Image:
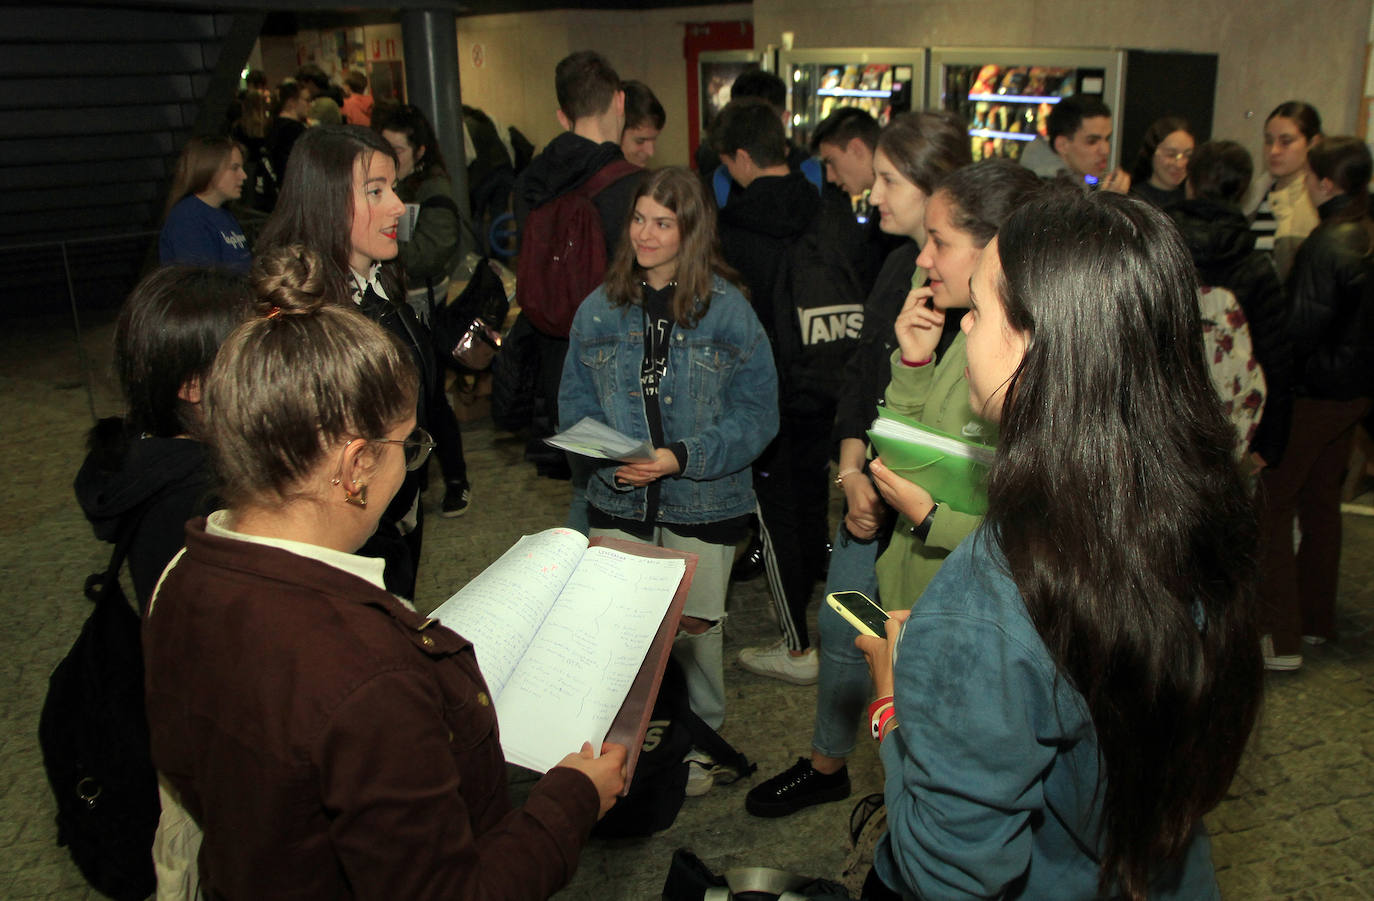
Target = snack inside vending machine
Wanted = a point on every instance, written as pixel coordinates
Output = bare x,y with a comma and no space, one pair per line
883,81
1005,95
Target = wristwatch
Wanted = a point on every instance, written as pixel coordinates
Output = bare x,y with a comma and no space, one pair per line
922,529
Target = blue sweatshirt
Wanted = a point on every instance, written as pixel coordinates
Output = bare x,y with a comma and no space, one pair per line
991,774
203,235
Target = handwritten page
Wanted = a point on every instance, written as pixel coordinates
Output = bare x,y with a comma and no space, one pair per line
500,609
580,665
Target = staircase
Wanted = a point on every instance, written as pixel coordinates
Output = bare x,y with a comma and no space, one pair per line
98,101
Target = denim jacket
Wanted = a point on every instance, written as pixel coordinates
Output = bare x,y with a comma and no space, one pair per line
719,398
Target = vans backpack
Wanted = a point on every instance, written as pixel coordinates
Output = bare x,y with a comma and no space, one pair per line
659,784
563,253
818,307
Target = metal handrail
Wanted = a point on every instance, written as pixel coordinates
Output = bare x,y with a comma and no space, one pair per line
94,239
83,361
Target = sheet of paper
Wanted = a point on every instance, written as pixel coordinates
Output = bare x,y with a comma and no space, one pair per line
580,665
501,609
590,438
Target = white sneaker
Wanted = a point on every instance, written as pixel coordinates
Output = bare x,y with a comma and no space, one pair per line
776,662
699,777
1279,663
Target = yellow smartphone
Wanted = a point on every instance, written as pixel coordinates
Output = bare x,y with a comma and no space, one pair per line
859,612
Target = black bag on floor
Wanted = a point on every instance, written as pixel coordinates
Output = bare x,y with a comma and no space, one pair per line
513,375
659,784
94,737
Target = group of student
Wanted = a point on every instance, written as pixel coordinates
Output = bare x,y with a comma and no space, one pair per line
1067,682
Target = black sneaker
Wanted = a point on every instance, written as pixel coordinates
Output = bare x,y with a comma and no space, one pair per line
798,787
457,499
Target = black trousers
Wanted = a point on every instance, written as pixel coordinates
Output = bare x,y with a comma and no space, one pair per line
792,484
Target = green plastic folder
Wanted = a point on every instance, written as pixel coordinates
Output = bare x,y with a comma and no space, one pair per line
954,470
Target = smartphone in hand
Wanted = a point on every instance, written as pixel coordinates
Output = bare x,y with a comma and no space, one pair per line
859,611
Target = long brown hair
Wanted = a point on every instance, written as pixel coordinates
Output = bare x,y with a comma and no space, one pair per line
1133,545
698,259
925,147
315,208
201,160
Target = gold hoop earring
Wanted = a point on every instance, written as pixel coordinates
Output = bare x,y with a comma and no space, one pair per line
357,497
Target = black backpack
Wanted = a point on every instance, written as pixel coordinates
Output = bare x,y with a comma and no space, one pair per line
659,784
818,311
94,737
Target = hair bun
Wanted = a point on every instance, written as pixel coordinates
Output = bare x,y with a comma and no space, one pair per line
290,280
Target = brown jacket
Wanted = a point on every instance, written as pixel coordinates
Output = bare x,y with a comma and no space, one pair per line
332,743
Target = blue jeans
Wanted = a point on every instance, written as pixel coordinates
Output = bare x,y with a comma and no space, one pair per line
844,687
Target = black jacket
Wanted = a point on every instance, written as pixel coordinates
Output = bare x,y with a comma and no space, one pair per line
568,161
1223,249
758,227
870,368
171,475
1331,289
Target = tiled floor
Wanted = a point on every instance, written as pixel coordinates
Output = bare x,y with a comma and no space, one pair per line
1299,822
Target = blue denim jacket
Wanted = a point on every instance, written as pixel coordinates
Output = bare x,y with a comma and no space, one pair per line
719,398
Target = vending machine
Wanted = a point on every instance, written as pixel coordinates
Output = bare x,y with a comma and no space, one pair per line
1005,94
884,81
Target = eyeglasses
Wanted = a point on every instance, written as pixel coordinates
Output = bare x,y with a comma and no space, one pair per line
416,445
1175,155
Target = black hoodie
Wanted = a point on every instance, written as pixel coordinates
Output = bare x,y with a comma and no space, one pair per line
757,228
1223,248
118,476
568,161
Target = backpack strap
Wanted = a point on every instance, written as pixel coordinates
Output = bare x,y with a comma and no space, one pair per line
96,583
609,174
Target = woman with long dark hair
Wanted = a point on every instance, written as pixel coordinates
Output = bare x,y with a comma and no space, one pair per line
1331,324
670,352
196,227
1161,166
339,200
1286,215
326,739
1075,688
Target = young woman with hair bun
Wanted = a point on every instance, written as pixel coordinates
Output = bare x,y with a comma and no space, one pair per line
1074,690
196,227
325,739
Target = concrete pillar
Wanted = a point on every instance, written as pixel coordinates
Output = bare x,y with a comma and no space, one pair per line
430,40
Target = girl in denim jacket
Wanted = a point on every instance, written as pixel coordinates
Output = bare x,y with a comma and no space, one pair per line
669,351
